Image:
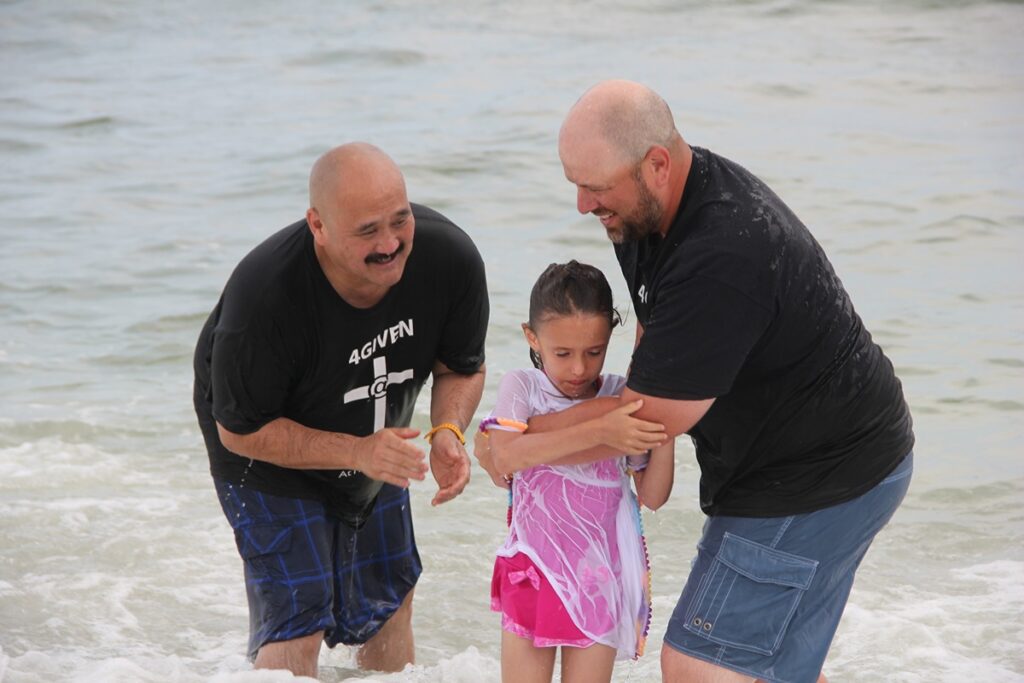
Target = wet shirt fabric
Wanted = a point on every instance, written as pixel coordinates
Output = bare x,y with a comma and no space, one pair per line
282,343
579,524
739,303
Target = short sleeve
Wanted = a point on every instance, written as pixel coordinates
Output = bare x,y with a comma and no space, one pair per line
612,385
251,374
697,338
465,330
514,399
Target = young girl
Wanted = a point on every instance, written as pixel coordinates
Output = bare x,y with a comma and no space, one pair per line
573,571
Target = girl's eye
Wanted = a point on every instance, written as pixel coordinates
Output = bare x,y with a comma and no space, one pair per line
596,352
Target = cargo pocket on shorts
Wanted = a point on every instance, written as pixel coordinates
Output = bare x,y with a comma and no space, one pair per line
259,543
749,595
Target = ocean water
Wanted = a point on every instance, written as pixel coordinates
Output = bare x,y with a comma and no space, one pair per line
147,146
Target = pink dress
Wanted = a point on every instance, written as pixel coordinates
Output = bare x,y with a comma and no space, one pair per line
580,525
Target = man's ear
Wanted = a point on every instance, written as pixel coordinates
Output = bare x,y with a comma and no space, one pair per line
316,225
658,163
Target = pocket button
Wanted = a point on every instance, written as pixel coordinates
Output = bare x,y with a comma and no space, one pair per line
697,621
707,625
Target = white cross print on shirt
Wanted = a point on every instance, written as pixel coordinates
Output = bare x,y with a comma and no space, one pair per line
378,389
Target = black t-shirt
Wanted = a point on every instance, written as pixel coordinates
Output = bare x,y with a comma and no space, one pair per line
739,303
282,343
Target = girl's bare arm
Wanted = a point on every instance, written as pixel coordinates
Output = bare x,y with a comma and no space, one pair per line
654,484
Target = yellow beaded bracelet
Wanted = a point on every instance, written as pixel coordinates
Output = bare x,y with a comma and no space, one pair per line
429,436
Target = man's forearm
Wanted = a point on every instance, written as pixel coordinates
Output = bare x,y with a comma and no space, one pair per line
454,397
287,443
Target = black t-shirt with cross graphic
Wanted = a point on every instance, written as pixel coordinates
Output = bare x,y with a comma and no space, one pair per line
282,343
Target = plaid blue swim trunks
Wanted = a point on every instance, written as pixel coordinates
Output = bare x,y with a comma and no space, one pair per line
765,595
306,571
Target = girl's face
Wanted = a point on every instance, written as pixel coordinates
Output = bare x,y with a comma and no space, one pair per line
572,349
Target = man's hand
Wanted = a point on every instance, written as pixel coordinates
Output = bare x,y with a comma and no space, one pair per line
388,455
482,452
450,465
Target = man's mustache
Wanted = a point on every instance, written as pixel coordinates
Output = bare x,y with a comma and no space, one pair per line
383,258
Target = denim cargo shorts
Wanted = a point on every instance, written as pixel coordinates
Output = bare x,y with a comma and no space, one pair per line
765,595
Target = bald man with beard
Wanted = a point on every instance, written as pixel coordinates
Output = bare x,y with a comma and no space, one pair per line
747,342
306,377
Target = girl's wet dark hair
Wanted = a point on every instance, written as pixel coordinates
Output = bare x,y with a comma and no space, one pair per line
571,288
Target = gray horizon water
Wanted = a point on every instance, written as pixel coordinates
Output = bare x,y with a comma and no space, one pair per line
147,147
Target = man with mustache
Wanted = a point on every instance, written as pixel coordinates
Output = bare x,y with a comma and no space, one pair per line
748,342
306,378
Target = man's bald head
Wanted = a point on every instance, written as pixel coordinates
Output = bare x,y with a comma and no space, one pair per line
349,170
619,146
629,118
361,221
